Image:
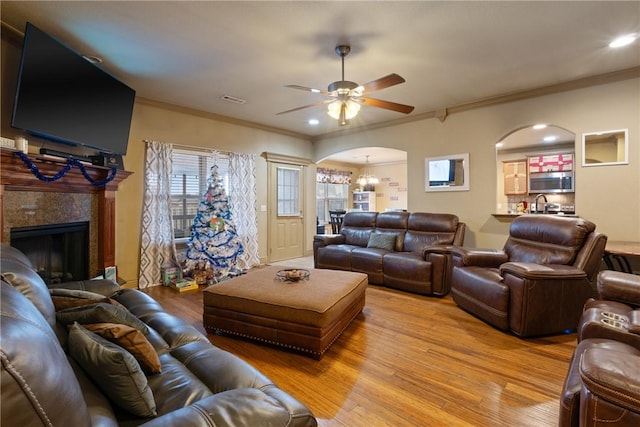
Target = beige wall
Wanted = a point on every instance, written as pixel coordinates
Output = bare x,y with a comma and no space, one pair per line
391,192
609,195
174,126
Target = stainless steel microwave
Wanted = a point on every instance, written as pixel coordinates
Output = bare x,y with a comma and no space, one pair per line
552,182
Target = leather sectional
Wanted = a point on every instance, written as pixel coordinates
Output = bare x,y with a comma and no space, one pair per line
66,375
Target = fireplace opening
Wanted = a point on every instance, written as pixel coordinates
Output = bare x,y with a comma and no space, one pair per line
58,252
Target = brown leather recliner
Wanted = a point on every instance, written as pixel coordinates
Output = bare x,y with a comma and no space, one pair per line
539,282
602,386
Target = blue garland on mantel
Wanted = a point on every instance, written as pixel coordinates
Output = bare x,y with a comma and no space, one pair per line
71,162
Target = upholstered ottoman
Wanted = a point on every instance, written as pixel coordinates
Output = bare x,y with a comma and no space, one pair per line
307,316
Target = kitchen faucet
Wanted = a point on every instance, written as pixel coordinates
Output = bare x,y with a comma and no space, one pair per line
545,208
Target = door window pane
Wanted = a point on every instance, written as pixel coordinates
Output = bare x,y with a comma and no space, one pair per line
288,197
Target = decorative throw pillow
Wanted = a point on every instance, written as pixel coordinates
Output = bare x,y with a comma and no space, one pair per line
386,241
75,293
67,298
114,370
131,340
100,313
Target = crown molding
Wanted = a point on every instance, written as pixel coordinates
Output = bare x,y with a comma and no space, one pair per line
218,117
443,113
284,158
11,33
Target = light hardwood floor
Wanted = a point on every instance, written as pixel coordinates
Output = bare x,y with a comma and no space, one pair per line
410,360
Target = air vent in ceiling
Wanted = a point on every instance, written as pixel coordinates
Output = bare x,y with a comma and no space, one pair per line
233,99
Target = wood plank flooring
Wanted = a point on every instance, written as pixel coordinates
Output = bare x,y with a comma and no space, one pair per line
409,360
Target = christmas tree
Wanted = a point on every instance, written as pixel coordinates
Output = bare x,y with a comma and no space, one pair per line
214,245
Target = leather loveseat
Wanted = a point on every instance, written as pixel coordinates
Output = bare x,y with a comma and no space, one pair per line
401,250
55,375
602,386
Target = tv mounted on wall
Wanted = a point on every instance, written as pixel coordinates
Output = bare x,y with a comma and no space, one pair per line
442,172
63,97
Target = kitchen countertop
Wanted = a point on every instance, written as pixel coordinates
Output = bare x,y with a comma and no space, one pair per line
510,216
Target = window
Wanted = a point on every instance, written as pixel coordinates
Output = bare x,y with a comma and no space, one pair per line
330,197
191,170
288,193
332,192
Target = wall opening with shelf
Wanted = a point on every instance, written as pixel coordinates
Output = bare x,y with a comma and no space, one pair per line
531,152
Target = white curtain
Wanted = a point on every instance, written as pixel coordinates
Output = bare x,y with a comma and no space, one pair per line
243,201
157,246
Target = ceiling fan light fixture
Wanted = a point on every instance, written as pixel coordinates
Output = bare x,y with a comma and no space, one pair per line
343,110
346,97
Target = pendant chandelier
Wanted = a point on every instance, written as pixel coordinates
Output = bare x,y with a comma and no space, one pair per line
367,180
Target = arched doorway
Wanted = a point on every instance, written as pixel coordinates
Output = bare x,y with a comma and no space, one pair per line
388,165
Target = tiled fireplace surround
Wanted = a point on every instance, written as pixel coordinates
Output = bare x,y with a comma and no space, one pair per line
28,209
26,201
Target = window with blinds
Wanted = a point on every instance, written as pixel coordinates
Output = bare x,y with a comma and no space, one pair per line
189,176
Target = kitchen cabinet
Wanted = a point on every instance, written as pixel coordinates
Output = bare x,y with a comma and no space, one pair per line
364,200
515,177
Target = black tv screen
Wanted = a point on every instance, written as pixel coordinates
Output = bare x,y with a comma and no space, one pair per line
63,97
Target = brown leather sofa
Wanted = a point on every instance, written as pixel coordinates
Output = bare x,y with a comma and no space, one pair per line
539,282
602,386
45,380
401,250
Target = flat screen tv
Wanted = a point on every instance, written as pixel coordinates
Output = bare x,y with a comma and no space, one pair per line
63,97
442,172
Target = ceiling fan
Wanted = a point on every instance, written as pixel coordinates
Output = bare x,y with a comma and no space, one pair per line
345,97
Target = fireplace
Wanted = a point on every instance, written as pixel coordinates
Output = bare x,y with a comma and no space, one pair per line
58,252
28,201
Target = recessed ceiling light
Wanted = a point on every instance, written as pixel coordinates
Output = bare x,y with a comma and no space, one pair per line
233,99
550,138
93,59
540,126
313,122
623,41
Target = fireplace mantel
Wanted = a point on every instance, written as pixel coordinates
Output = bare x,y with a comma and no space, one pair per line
16,176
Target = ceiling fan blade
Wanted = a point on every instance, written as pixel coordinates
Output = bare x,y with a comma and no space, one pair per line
315,104
308,89
388,105
383,83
